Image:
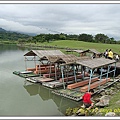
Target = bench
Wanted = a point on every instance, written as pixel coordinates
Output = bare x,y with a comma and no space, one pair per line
94,85
81,83
70,78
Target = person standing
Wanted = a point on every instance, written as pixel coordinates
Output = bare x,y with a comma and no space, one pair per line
110,54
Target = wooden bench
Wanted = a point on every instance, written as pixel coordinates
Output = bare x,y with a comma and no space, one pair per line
72,77
94,85
81,83
31,69
50,75
45,71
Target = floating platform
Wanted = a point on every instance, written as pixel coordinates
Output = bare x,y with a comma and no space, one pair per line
76,95
25,74
53,84
39,79
71,94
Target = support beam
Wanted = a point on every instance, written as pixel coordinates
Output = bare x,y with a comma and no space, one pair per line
75,74
62,77
91,74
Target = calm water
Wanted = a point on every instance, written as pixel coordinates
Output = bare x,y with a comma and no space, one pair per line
21,98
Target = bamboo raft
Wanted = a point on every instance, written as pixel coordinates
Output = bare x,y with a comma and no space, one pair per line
76,94
25,74
39,79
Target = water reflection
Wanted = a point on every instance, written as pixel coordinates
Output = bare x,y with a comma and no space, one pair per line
46,94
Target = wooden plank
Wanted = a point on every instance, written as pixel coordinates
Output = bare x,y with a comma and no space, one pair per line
73,77
81,83
44,79
50,75
94,85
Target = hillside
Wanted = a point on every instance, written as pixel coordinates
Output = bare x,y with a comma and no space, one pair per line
2,30
9,35
79,45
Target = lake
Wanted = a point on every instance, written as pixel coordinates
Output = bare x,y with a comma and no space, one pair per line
19,97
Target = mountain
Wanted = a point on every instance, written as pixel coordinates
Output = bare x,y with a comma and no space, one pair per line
2,30
10,35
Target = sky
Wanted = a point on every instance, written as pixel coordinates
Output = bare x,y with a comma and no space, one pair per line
62,18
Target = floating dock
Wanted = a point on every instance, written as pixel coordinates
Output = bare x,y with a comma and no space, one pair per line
58,76
39,79
25,74
76,95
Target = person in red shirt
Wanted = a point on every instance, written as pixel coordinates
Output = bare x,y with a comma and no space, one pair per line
87,99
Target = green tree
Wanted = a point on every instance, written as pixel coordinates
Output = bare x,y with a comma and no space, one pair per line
101,38
85,37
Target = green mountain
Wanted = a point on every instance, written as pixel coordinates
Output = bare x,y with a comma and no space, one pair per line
9,35
2,30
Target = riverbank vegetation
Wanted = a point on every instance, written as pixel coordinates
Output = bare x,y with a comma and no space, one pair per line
98,38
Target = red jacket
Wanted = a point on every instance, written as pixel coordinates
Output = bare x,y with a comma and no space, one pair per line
86,98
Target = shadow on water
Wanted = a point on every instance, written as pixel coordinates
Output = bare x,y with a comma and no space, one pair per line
46,94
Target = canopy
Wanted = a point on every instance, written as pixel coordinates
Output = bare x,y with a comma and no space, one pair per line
42,53
95,63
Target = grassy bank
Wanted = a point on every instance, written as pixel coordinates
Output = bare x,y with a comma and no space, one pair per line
8,42
79,45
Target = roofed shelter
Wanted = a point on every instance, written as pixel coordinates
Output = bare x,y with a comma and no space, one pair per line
93,64
42,55
84,52
53,56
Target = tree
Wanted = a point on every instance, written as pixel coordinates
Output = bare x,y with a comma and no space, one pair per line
85,37
101,38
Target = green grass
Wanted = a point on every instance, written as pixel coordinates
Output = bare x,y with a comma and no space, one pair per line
83,45
113,106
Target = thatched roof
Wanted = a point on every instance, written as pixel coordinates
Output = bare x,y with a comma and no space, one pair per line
84,51
84,58
42,53
95,63
67,59
78,51
53,56
94,51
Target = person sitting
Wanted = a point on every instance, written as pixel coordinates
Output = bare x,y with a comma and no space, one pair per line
117,58
93,56
87,99
106,53
110,54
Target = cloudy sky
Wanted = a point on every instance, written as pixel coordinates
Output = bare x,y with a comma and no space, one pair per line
62,18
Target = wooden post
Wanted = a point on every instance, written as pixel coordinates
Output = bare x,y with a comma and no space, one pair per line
40,69
108,71
114,71
75,74
50,70
55,72
62,77
91,73
25,64
100,76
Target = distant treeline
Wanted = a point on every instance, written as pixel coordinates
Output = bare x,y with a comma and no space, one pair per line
12,36
98,38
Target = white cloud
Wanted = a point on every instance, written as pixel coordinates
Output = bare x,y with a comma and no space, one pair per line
65,18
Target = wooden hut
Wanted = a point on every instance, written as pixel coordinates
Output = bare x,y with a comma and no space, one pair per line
98,63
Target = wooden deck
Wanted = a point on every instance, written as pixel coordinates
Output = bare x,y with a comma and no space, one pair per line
76,94
25,74
39,79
